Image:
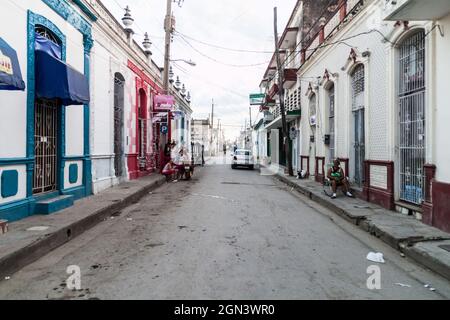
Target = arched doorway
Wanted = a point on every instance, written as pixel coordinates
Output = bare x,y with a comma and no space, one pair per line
46,128
313,126
142,130
119,94
411,100
358,110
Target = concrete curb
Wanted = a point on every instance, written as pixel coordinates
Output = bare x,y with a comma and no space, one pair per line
409,245
18,259
428,258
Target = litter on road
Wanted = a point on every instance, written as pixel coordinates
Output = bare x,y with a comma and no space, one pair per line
41,228
403,285
375,257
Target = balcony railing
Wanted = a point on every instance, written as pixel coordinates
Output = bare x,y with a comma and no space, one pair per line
273,90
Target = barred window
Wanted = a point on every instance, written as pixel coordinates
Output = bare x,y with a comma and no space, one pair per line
358,87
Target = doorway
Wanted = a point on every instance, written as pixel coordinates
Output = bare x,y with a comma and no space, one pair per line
358,110
412,89
45,146
46,128
119,90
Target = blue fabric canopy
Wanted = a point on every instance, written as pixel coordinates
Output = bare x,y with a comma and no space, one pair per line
43,44
10,74
57,80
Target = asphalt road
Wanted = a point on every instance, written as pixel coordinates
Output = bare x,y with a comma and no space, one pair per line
227,234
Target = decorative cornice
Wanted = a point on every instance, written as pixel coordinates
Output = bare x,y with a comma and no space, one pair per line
86,10
353,58
328,77
69,14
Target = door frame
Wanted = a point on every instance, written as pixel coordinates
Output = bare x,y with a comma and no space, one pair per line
356,58
33,21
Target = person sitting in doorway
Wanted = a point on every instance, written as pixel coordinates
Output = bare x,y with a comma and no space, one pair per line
170,171
180,159
337,178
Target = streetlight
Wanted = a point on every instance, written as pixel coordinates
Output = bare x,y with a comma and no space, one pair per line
189,62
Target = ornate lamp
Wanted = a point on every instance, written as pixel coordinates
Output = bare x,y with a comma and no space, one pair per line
147,44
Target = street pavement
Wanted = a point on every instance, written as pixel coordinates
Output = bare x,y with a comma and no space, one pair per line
226,234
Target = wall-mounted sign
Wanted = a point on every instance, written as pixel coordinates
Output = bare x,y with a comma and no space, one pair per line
164,102
5,64
164,129
257,99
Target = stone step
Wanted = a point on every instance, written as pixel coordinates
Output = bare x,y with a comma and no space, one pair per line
51,205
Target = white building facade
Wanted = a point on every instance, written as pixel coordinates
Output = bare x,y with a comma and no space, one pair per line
371,78
61,143
45,161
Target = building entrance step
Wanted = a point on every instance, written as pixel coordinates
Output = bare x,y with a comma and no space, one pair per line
51,205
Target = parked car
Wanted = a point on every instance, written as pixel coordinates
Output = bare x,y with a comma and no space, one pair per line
243,158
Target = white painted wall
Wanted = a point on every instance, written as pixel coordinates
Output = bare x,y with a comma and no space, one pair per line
74,131
442,107
79,182
22,186
13,22
13,104
334,59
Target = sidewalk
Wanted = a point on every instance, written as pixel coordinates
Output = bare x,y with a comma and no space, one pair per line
20,247
425,244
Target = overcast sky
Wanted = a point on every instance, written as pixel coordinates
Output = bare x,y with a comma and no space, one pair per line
235,24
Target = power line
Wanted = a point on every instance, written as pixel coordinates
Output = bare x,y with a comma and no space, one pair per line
220,62
231,91
221,47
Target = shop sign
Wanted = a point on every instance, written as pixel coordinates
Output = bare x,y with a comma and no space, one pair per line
5,64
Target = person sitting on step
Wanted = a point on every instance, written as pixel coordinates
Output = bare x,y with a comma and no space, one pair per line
170,172
337,178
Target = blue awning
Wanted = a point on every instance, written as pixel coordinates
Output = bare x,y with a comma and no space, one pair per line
43,44
10,74
57,80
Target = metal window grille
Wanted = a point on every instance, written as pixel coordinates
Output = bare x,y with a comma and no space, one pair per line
313,110
142,131
119,87
331,119
412,117
358,97
45,146
44,32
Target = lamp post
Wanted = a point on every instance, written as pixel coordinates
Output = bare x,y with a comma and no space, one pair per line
189,62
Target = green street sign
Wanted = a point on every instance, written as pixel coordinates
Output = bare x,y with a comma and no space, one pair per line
257,99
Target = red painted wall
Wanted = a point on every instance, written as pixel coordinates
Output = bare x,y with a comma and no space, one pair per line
441,205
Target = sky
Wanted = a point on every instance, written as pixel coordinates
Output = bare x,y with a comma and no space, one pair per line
227,76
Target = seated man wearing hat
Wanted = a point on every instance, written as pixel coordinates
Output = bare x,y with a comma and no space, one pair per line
337,178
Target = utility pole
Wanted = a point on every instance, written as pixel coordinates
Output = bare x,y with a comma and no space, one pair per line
168,28
280,68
